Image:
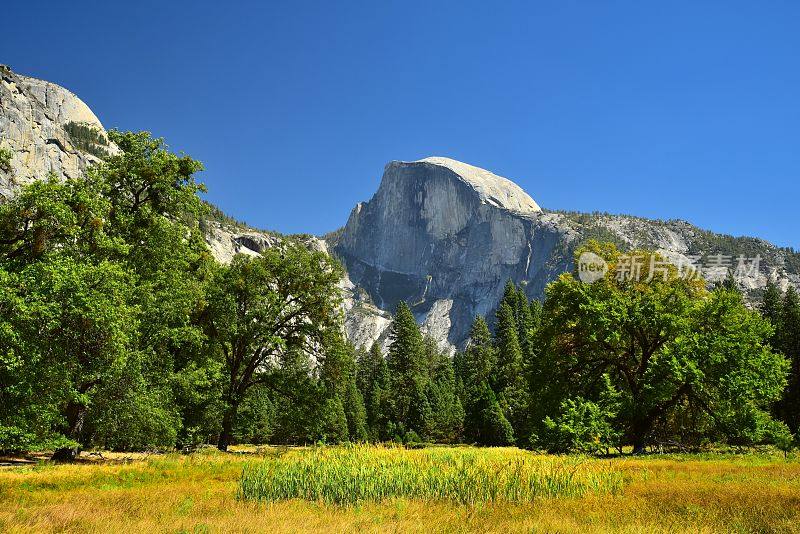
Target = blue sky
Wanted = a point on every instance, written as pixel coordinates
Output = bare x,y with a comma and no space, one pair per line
672,109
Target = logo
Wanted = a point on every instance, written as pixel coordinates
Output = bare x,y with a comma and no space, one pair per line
591,267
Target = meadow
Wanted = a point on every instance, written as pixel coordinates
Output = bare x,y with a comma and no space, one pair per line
377,489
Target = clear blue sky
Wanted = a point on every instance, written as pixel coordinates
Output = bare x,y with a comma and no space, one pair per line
661,109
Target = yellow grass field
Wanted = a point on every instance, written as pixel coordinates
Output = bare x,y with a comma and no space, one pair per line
452,490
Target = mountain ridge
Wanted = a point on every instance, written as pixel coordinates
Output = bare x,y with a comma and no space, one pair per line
440,234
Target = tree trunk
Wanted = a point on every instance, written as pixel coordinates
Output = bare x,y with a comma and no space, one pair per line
639,431
228,421
75,415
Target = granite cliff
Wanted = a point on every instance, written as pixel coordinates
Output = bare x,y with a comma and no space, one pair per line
47,129
445,237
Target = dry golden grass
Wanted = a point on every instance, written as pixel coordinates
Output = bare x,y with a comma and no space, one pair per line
197,493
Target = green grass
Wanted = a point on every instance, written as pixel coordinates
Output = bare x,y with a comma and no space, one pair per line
351,475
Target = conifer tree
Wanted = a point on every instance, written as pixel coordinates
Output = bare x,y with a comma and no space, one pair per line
510,294
524,319
338,376
355,412
771,306
485,423
508,381
476,364
536,313
373,383
532,363
407,373
509,353
447,413
788,341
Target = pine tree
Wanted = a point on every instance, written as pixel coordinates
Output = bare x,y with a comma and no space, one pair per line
485,423
532,356
355,413
477,363
508,381
788,341
331,421
338,377
771,306
536,313
373,383
524,319
447,413
510,294
541,392
509,353
420,413
407,373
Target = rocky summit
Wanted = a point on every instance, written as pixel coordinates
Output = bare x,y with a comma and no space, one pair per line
445,237
440,234
47,128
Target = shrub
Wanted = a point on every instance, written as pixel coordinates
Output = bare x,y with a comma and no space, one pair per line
583,425
5,159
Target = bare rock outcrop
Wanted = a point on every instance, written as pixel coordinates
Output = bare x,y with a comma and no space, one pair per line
445,237
35,117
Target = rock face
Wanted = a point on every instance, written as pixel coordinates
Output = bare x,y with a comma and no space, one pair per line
225,241
445,237
33,117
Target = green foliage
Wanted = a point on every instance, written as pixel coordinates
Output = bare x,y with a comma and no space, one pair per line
771,307
372,379
118,330
87,138
477,363
509,354
408,375
5,159
485,422
786,317
446,418
298,401
662,342
100,293
281,304
215,214
583,425
423,393
338,375
707,242
256,418
507,379
128,414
